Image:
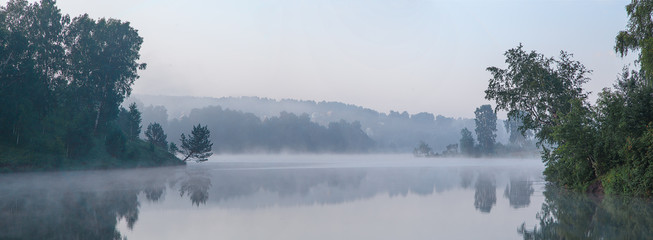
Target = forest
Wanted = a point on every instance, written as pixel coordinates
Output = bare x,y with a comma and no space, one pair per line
62,80
238,132
392,132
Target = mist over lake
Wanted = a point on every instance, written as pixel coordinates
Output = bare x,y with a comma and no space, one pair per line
326,119
310,196
281,197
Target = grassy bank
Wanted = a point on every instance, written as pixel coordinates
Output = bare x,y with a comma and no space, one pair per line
136,153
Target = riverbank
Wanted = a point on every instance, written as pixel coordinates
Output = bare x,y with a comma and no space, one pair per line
136,154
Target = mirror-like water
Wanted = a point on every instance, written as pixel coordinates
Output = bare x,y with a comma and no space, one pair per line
313,197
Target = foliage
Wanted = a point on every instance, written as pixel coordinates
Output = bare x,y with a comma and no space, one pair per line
156,136
572,163
134,127
423,150
638,36
386,132
466,142
173,148
517,134
537,89
486,126
238,132
62,81
116,143
197,145
606,143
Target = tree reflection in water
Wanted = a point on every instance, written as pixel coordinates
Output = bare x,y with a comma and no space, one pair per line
195,184
75,205
519,192
466,177
570,215
486,192
91,204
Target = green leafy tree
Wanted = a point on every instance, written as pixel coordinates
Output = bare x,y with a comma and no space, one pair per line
156,136
514,127
25,87
115,143
466,142
103,57
173,148
537,89
638,35
486,127
134,122
197,145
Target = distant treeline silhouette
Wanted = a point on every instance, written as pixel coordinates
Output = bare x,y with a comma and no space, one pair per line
237,132
392,132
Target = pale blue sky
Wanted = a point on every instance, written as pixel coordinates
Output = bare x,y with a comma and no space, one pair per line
386,55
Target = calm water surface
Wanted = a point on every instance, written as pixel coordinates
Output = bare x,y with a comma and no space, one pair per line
314,197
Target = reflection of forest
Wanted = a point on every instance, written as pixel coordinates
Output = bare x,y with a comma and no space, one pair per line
90,204
519,191
75,205
486,193
570,215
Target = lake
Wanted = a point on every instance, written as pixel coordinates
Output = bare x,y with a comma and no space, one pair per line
314,197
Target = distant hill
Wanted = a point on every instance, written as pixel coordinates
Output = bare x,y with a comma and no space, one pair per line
392,132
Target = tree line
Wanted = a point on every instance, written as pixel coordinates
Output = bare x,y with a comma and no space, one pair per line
485,145
394,131
62,81
239,132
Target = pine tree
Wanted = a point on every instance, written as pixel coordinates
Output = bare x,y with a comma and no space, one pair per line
197,145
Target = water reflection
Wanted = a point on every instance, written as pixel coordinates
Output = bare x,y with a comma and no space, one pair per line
194,183
519,191
485,195
570,215
89,205
70,205
466,177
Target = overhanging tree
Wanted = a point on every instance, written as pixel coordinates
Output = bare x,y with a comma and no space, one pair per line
537,89
197,146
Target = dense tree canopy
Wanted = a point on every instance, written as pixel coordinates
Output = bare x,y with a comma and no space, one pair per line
638,35
237,132
536,88
486,127
466,142
607,144
62,81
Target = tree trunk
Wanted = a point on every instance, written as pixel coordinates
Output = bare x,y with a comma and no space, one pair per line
186,158
97,119
99,110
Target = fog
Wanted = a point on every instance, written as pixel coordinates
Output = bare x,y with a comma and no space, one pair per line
92,204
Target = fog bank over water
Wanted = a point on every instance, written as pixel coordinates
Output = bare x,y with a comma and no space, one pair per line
310,197
250,196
